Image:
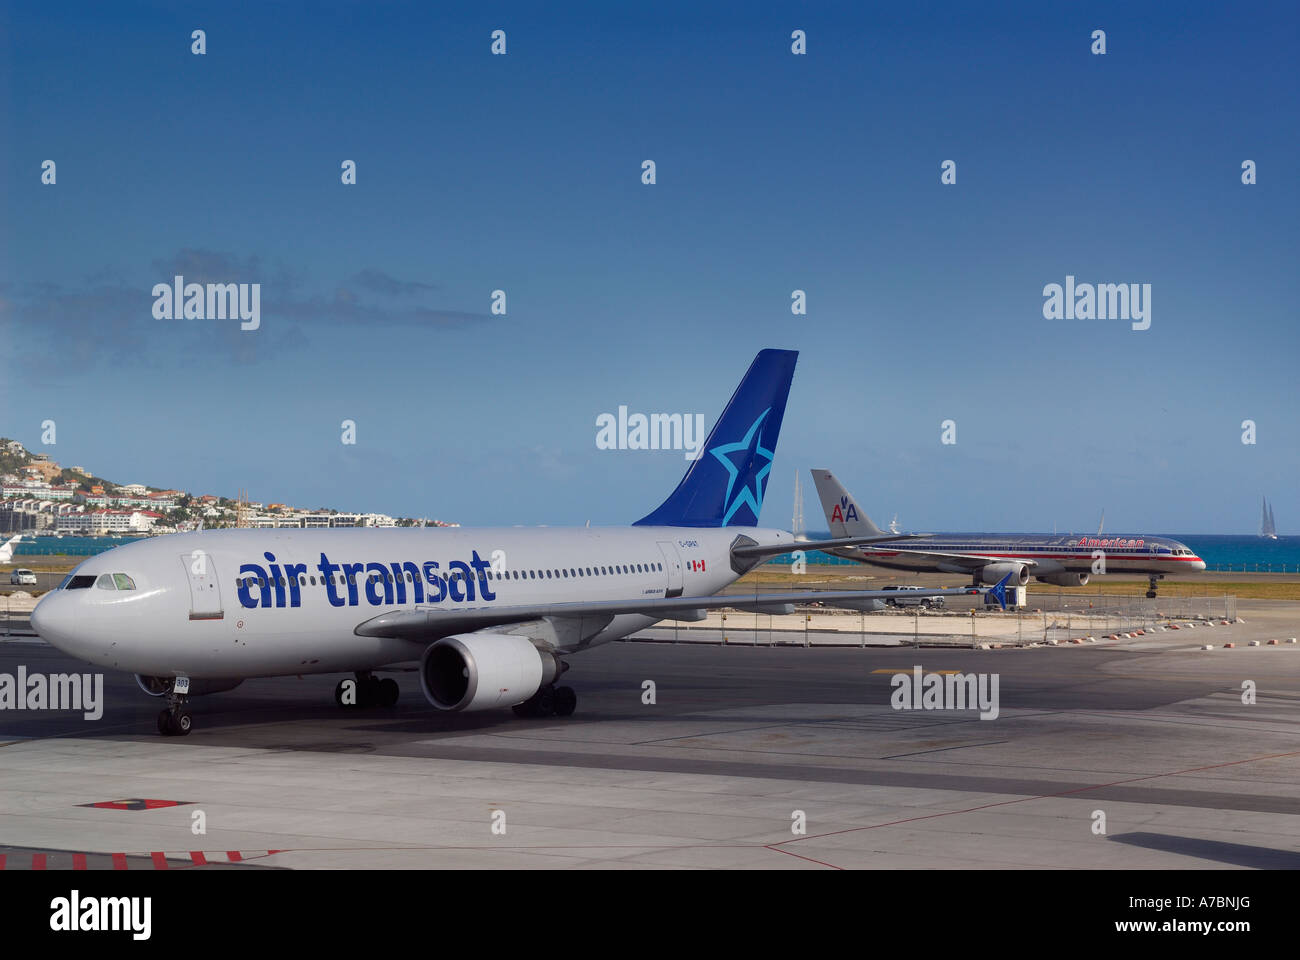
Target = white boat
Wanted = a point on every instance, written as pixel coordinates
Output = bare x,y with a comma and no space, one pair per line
1267,525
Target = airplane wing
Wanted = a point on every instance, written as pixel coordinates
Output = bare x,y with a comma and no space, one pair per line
751,550
433,623
971,560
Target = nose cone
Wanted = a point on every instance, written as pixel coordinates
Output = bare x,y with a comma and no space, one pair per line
52,619
1198,564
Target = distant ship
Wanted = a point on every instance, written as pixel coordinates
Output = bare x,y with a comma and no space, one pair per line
1267,525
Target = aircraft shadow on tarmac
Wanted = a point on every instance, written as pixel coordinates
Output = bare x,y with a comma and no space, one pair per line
1237,854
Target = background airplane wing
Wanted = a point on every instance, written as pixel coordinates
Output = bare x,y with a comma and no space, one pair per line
973,561
433,623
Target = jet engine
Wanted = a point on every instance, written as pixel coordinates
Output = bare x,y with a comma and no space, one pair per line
992,573
1065,579
484,671
161,686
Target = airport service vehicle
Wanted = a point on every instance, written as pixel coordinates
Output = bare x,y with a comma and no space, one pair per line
23,577
907,597
489,615
1066,561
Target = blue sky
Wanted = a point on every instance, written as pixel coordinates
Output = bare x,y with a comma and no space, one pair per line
775,172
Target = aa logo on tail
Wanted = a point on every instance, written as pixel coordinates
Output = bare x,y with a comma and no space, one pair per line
844,511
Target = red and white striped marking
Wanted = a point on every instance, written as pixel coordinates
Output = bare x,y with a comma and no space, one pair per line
159,858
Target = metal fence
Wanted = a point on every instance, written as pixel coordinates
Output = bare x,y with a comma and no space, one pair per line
1065,620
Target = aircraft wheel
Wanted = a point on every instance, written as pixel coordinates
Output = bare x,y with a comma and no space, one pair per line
388,692
1151,594
544,701
183,723
566,701
165,724
524,709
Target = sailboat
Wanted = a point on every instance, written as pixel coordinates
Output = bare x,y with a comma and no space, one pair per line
1267,525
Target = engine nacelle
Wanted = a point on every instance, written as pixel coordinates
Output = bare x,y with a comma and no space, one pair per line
161,686
484,671
1064,579
992,573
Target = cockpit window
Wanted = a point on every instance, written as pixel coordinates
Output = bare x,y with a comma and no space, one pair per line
105,582
80,582
123,581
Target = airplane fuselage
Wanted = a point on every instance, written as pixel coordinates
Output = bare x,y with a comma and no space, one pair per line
1049,553
246,603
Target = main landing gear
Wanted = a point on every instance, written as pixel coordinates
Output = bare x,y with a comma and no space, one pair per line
366,690
1151,585
548,701
176,720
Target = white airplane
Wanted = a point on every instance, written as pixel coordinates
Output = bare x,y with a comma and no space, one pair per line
7,550
488,614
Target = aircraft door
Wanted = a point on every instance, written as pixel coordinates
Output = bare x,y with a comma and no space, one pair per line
205,591
673,567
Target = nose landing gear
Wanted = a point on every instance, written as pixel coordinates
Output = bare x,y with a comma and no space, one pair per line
176,720
1151,585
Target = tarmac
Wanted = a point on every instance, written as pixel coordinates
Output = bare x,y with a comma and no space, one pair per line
1126,754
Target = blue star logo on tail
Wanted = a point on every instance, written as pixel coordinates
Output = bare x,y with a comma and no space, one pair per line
746,454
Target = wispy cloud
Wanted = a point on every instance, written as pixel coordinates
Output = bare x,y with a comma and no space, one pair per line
105,320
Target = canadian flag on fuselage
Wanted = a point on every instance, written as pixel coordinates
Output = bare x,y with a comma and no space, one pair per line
695,566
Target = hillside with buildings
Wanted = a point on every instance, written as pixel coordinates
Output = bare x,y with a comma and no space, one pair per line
37,495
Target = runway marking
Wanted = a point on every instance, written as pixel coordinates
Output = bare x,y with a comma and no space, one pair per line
1045,796
802,857
958,746
136,803
160,859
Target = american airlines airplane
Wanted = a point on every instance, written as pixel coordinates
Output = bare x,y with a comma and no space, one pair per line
1066,561
488,614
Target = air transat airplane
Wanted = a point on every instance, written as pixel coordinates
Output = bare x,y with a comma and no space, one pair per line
1067,561
488,614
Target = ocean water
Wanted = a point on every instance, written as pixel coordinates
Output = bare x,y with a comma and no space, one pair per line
1249,554
67,546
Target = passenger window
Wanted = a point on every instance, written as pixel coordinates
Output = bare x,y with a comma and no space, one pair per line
105,582
123,581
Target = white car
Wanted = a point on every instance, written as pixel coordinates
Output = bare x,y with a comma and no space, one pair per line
23,577
905,601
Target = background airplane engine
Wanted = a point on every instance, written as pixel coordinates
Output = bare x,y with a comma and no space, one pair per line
483,671
159,686
992,573
1065,579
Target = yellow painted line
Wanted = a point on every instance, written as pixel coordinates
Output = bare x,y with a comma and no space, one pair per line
905,670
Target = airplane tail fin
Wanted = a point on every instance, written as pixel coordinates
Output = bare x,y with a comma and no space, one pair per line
724,486
842,513
999,592
7,550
